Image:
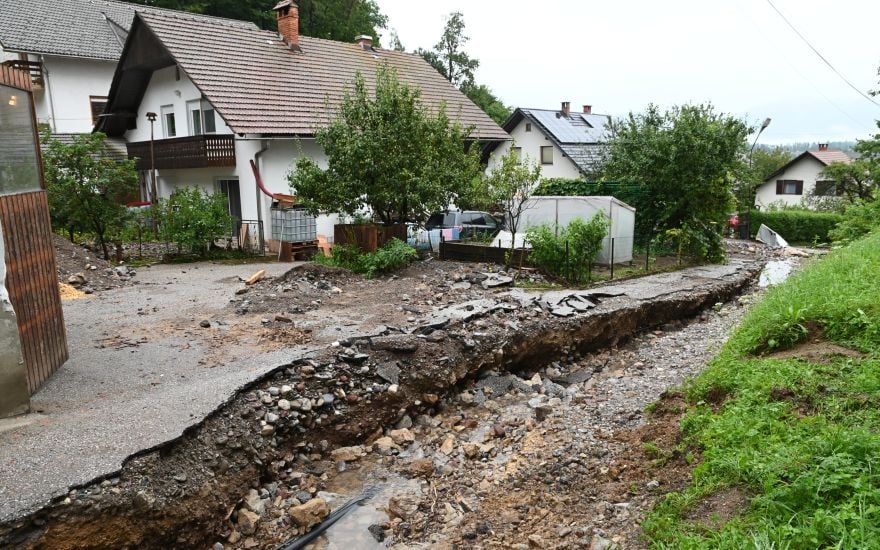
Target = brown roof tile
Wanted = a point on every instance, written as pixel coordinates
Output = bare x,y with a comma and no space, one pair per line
827,157
259,86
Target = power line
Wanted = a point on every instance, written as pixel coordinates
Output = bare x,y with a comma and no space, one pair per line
822,57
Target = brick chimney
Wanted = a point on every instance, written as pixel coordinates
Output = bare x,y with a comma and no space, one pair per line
288,22
364,41
566,107
588,109
823,146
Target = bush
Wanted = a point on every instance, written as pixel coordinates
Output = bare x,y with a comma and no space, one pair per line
859,220
701,242
395,255
193,220
570,253
802,226
564,187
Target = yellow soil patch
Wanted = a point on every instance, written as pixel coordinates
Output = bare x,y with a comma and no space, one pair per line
70,293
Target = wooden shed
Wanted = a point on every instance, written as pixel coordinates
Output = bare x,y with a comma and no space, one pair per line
31,278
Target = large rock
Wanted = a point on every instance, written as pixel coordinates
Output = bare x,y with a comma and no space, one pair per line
402,436
247,521
402,506
347,454
311,513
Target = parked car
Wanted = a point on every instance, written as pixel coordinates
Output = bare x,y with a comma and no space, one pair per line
469,222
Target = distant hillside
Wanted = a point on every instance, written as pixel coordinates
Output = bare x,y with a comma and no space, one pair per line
800,147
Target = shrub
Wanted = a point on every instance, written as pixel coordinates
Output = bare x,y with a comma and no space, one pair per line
859,220
696,240
193,220
395,255
803,226
570,252
564,187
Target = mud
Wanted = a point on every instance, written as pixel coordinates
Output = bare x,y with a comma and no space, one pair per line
184,493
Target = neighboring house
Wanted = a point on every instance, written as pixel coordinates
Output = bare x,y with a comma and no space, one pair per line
800,179
566,144
225,96
70,48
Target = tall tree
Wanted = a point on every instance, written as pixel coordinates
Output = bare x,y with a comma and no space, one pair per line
387,154
450,60
684,162
332,19
448,55
511,185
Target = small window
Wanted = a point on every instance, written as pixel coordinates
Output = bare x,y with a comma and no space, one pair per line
517,153
98,105
547,154
827,188
528,126
169,125
789,187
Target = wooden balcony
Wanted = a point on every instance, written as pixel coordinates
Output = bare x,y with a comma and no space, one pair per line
186,152
33,68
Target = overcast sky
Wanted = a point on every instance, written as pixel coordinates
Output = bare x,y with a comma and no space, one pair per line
620,55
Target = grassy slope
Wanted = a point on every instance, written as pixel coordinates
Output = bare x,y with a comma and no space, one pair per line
802,440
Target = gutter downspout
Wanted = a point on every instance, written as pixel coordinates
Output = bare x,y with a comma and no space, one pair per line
49,93
255,164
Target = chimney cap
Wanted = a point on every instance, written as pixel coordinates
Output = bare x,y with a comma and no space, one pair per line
282,4
363,37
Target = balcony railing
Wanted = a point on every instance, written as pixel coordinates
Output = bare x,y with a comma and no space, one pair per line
187,152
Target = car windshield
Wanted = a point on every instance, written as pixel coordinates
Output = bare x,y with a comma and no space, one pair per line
441,219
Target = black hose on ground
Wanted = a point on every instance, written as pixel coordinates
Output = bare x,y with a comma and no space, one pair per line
336,515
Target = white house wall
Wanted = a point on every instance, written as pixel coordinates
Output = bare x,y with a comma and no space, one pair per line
531,143
165,89
807,170
63,101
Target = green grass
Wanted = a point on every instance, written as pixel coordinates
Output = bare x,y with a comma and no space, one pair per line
801,439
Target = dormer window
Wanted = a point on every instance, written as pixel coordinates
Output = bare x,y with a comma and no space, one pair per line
202,119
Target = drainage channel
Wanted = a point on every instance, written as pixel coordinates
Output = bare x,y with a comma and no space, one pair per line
437,425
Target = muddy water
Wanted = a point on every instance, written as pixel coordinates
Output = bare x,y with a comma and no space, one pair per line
351,532
775,272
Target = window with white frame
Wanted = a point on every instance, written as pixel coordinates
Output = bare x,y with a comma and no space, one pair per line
547,154
169,125
202,119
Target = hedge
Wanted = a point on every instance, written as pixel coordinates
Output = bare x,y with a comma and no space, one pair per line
798,226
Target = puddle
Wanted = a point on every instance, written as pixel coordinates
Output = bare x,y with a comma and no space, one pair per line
351,532
775,272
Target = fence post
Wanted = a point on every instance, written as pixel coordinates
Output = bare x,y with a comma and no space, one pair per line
647,254
612,258
567,264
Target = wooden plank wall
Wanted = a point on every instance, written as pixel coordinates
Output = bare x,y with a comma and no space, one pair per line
33,285
15,78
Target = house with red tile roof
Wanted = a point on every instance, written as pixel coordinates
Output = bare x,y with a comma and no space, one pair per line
800,180
223,97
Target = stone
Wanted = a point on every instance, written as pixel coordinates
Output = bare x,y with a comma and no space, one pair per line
205,323
388,372
600,543
311,513
284,404
77,279
448,445
267,430
535,541
377,532
563,311
466,398
405,422
393,388
283,318
402,506
247,522
471,450
271,418
402,437
422,467
234,537
383,445
254,503
542,412
436,336
399,343
348,454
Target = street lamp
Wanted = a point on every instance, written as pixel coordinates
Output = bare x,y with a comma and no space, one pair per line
750,199
151,116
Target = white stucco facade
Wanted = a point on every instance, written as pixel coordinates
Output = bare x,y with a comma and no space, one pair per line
170,91
807,170
64,100
530,142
